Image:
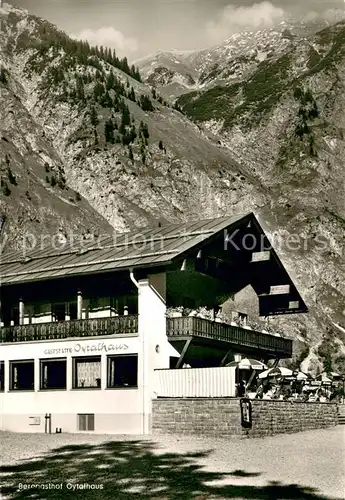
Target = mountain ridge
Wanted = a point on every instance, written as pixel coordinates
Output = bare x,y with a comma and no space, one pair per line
178,72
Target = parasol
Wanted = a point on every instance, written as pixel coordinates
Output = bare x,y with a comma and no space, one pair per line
248,364
278,371
298,375
333,376
324,378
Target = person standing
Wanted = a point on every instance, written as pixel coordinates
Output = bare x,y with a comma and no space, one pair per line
241,389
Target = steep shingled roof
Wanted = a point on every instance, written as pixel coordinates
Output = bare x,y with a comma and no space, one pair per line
145,248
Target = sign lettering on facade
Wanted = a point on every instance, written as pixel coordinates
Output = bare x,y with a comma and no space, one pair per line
82,348
279,289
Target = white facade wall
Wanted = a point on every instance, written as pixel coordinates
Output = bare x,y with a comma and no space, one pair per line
116,410
153,339
120,410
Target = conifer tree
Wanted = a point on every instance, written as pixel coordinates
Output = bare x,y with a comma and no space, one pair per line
110,80
72,94
134,72
133,133
126,117
108,55
80,94
3,76
145,131
109,132
145,103
106,100
130,153
5,189
98,91
11,177
124,65
93,117
131,95
126,139
116,104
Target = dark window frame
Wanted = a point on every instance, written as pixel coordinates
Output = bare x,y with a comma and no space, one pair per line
14,362
73,311
75,360
114,357
58,311
42,361
2,376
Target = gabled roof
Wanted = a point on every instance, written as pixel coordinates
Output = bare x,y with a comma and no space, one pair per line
203,244
146,248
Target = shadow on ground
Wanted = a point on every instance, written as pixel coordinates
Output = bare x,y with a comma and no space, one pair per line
132,470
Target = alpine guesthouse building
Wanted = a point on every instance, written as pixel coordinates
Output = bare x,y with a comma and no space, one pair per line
84,331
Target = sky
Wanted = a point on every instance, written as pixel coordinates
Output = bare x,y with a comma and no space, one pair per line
136,28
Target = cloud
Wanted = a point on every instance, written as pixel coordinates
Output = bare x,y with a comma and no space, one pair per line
236,19
330,15
109,37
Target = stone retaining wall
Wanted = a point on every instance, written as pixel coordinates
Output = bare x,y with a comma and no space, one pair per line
273,417
211,416
221,417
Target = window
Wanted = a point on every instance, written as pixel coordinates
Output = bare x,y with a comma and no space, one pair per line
86,421
59,312
2,376
73,310
53,373
122,371
15,316
87,372
94,304
22,375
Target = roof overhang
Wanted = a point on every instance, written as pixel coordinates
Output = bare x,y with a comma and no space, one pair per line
234,249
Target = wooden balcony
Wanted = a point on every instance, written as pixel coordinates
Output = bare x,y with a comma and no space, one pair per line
184,327
68,329
177,328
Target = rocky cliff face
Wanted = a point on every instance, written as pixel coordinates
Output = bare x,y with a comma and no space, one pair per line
153,162
37,204
276,102
86,119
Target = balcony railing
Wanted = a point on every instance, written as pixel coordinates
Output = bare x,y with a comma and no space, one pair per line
198,327
176,327
68,329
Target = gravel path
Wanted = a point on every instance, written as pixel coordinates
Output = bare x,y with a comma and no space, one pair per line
308,465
